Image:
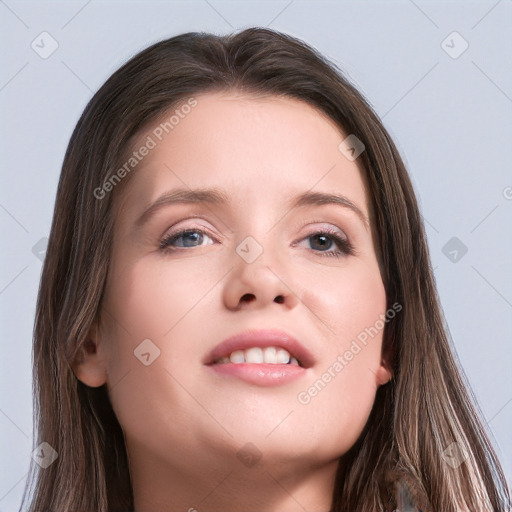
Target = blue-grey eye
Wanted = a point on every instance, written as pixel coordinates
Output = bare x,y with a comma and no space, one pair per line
185,238
321,242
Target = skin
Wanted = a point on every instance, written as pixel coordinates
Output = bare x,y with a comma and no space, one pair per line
183,423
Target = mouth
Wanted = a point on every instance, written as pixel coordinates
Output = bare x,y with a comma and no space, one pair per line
263,346
261,357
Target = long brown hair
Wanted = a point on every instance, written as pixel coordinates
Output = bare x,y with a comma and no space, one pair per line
425,408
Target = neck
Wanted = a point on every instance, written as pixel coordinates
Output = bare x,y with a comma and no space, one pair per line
225,484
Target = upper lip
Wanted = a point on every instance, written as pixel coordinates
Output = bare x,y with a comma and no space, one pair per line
261,338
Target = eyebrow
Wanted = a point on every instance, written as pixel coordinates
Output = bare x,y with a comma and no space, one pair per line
214,196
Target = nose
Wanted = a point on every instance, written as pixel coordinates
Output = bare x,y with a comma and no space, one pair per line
257,285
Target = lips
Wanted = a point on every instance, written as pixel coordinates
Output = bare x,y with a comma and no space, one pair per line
261,338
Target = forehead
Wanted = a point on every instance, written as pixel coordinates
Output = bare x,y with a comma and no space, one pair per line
269,146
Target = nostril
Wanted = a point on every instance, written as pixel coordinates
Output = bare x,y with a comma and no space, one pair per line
248,297
279,299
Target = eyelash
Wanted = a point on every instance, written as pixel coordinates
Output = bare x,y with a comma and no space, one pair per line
345,248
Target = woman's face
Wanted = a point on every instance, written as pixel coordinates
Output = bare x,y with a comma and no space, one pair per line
251,259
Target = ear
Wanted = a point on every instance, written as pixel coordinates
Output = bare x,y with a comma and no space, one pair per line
88,365
384,374
385,371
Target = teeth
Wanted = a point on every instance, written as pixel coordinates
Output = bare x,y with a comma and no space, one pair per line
237,356
282,356
257,355
254,355
269,355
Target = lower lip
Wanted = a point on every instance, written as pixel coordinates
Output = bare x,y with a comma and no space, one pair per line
261,374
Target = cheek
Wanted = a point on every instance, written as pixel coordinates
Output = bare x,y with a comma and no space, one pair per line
348,300
342,394
147,308
150,299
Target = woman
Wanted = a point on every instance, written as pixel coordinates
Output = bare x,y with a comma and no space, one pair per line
237,309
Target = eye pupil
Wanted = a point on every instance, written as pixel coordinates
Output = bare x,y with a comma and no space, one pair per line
191,237
324,242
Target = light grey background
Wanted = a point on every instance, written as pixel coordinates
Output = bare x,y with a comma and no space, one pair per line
451,118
